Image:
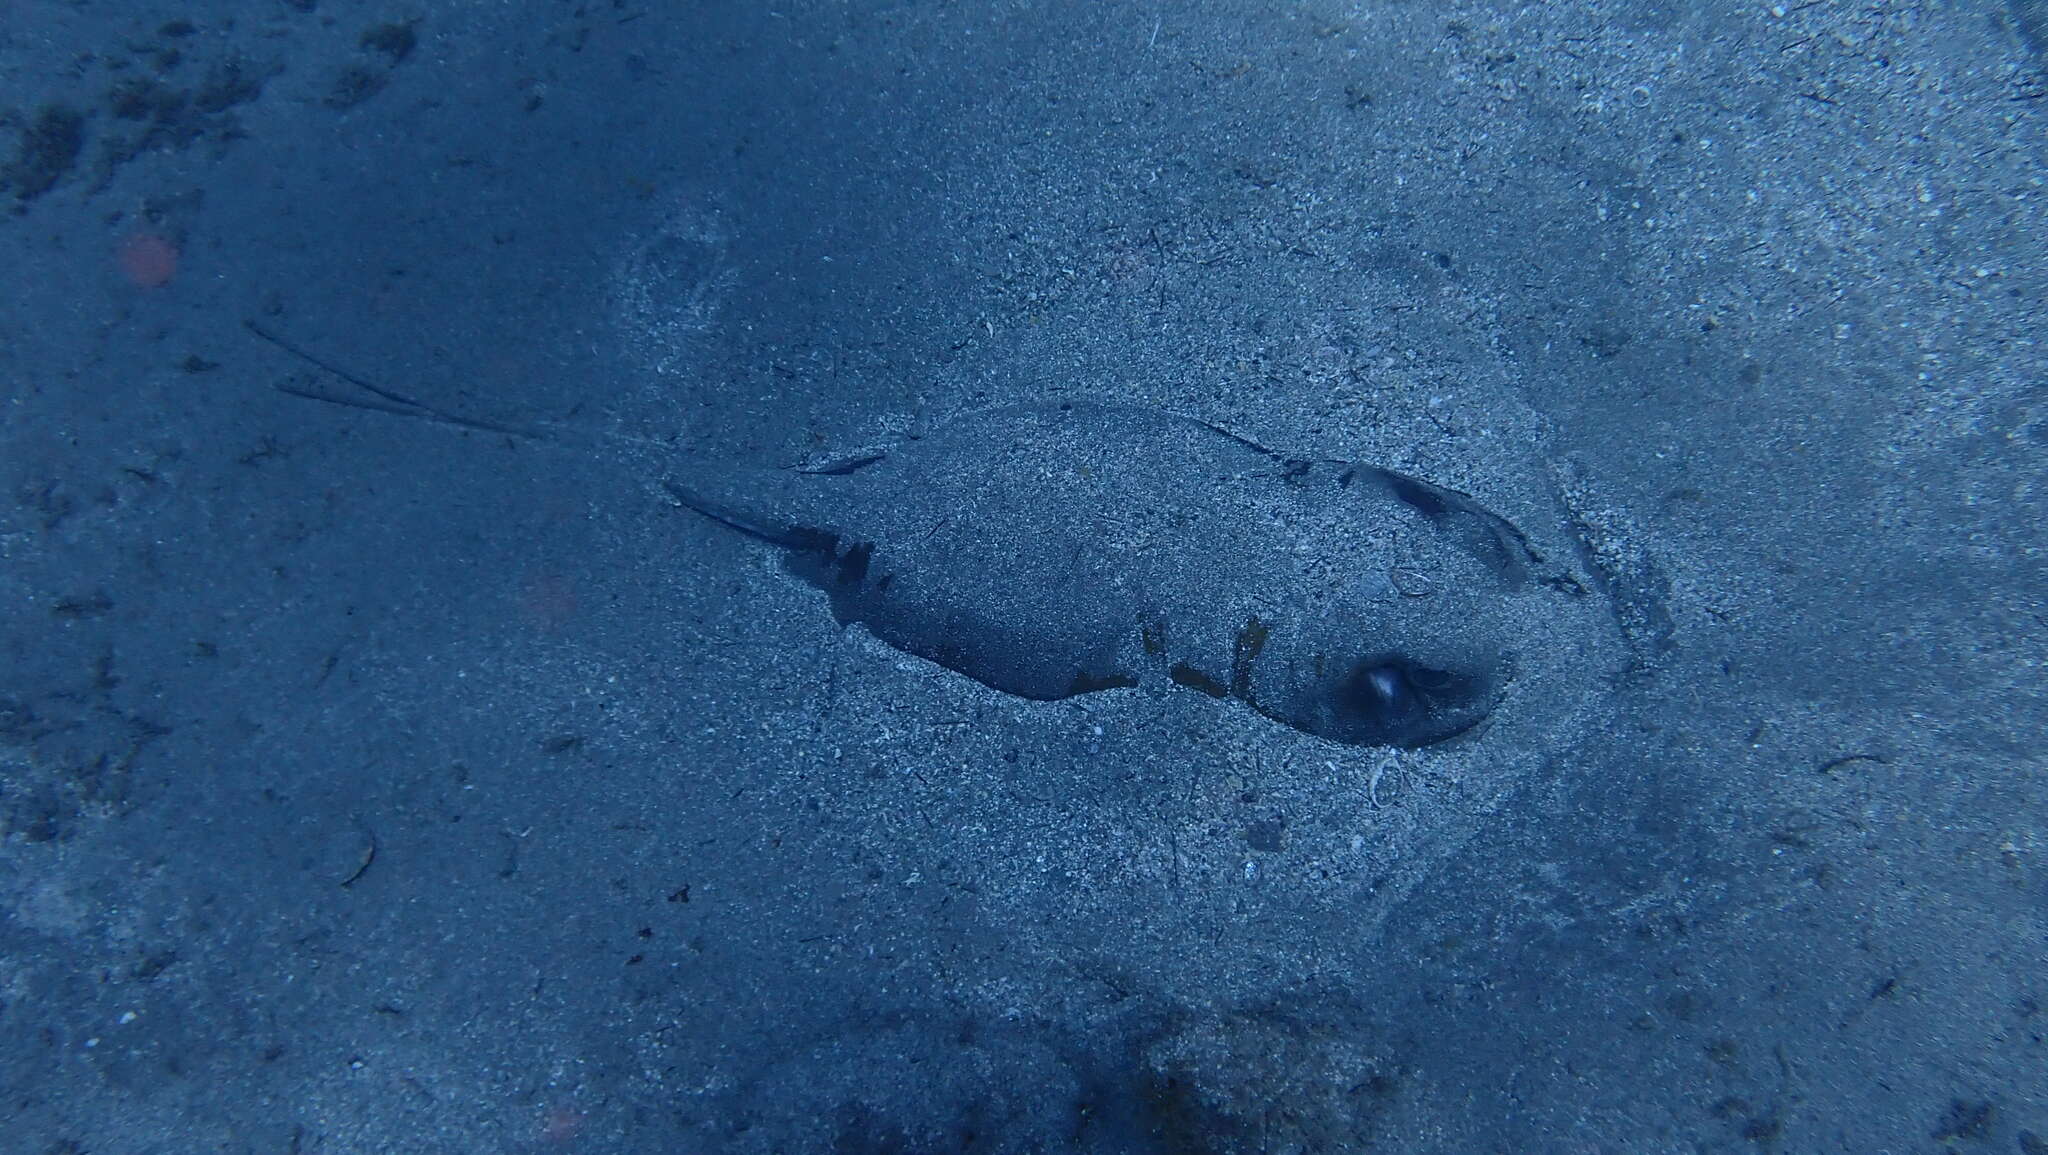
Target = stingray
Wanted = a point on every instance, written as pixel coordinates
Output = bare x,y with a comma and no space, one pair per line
1051,550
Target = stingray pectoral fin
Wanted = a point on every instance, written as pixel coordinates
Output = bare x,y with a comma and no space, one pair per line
851,463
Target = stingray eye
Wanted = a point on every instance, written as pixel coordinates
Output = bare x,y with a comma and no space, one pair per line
1392,688
1425,679
1393,700
1385,684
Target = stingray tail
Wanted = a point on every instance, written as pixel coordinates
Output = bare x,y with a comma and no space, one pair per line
376,398
781,506
369,396
762,503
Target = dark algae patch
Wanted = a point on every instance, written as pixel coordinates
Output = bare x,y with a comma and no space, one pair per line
158,93
50,143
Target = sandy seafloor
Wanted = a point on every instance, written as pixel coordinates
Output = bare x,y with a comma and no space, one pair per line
368,786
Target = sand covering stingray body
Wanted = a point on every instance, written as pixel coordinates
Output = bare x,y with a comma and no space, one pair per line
1060,549
1053,550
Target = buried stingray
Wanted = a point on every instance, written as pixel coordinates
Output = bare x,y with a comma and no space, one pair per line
1059,549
